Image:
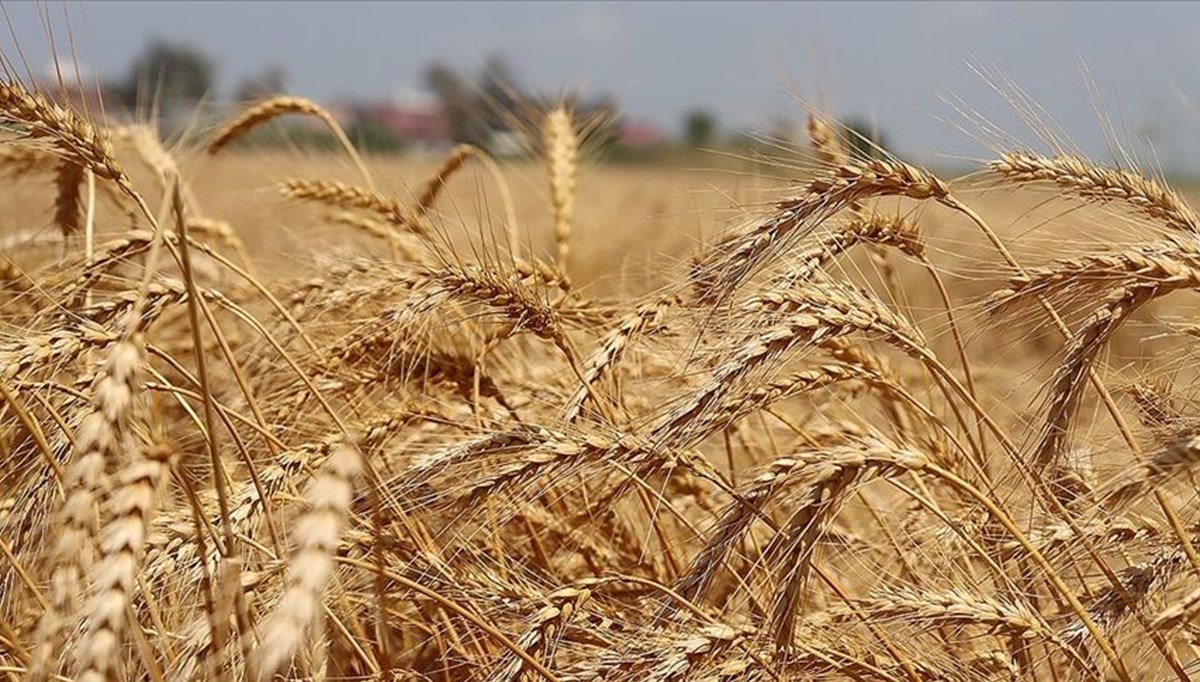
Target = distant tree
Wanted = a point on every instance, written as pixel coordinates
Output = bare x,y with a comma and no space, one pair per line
270,82
169,73
371,136
783,128
500,92
602,121
459,102
863,138
699,127
494,102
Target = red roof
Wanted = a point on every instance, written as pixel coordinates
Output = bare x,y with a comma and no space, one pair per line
642,134
421,123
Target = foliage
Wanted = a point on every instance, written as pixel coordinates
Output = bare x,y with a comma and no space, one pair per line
865,139
170,73
699,127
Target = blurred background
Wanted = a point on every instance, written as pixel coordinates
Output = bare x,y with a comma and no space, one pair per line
665,78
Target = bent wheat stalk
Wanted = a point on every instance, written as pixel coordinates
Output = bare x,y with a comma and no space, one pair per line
275,107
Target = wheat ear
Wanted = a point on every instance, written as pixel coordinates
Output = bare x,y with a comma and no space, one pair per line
311,566
1173,460
131,509
99,441
19,159
562,166
341,195
1179,613
1100,184
283,105
68,180
71,136
730,263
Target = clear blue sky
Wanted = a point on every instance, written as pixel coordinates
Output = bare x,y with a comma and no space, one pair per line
891,61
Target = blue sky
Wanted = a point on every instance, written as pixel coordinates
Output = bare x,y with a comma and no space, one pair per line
889,61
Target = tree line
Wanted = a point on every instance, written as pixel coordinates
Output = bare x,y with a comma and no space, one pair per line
480,106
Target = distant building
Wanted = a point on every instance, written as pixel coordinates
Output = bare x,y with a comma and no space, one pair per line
77,87
640,134
412,118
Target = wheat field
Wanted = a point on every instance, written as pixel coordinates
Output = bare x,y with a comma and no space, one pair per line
277,415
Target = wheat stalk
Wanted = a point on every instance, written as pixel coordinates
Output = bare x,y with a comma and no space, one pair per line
842,187
275,107
68,179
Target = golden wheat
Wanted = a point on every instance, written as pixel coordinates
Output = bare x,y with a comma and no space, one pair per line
839,447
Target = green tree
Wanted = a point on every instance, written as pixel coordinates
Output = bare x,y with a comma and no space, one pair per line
169,73
373,137
699,127
500,96
459,102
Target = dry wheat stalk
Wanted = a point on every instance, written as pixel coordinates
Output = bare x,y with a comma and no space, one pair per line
875,230
642,321
433,187
825,141
275,107
262,112
1172,264
1179,613
952,606
544,633
702,645
504,293
827,484
1140,582
1156,408
20,159
807,316
815,473
1069,381
455,160
1175,459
